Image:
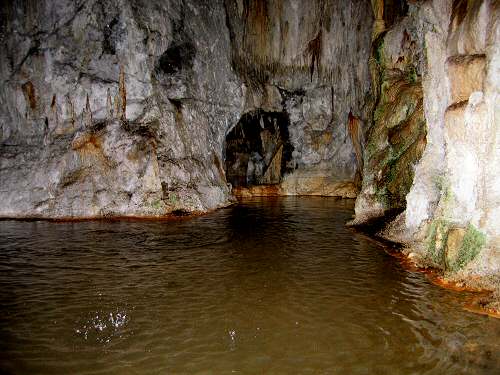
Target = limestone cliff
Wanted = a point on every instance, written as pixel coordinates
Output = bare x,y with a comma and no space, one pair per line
307,60
122,107
433,150
114,107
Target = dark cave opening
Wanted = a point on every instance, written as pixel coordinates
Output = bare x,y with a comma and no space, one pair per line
258,149
394,10
177,57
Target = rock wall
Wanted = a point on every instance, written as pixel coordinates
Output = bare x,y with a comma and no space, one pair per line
122,107
463,232
114,108
308,60
397,137
451,208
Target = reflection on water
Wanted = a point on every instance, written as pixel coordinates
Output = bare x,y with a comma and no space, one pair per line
273,286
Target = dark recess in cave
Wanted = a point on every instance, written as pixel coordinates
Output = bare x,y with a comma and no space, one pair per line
258,149
177,57
394,10
110,37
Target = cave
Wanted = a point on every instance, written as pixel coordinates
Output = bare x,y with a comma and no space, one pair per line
258,150
250,186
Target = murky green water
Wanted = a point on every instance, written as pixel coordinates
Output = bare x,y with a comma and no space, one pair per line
266,287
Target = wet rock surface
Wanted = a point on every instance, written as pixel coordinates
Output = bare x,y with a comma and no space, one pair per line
466,201
114,108
438,100
302,58
123,107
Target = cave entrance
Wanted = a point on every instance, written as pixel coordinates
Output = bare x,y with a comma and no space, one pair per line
258,149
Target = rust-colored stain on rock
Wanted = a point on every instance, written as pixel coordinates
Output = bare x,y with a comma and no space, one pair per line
30,95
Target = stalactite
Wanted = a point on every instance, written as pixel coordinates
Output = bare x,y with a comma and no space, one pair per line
30,94
109,105
117,105
123,95
379,24
356,135
54,111
70,111
332,93
314,50
87,114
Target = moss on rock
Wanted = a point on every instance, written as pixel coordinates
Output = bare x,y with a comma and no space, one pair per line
437,237
397,139
452,248
471,245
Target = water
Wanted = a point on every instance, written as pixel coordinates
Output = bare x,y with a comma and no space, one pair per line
273,286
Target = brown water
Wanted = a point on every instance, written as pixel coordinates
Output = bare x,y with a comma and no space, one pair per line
266,287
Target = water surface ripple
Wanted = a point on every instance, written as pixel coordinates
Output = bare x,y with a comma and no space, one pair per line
276,286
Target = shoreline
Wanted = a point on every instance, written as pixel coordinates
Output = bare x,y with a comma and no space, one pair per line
486,298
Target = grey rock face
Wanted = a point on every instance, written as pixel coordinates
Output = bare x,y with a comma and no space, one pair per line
81,139
397,137
122,107
308,60
466,118
452,207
